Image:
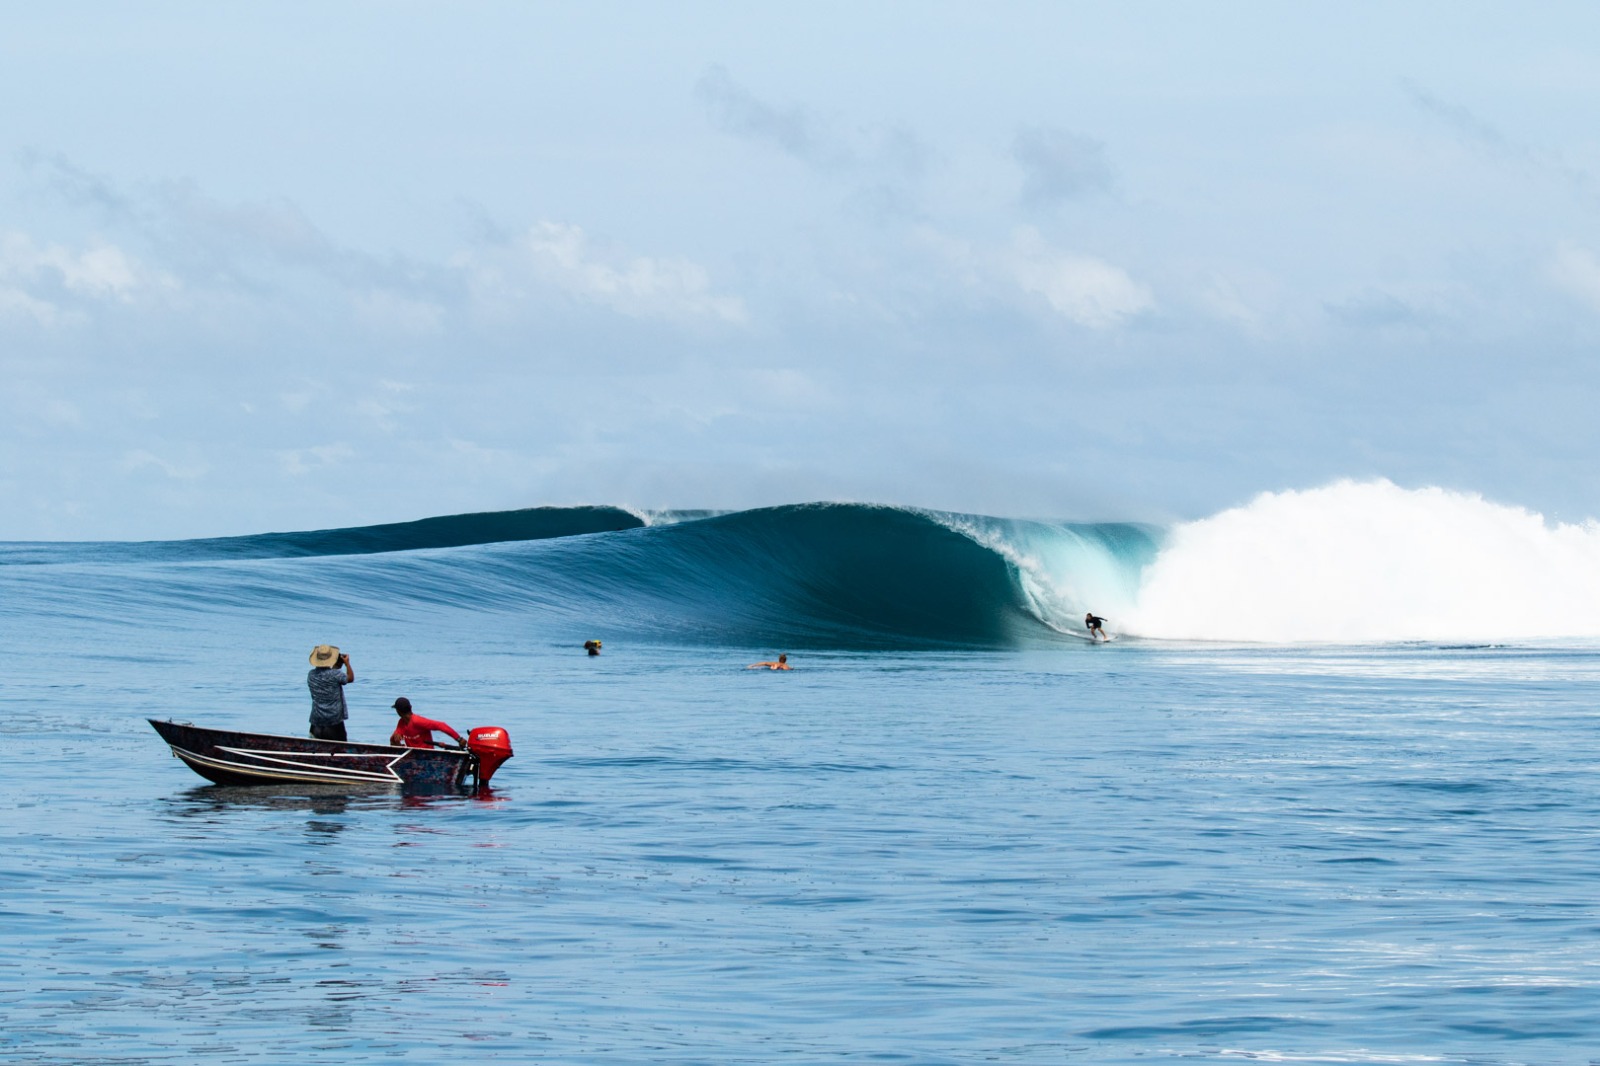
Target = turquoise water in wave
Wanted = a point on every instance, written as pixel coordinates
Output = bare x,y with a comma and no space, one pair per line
975,843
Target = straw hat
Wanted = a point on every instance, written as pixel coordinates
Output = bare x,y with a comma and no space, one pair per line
324,655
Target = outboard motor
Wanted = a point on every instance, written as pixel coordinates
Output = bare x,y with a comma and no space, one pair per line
492,746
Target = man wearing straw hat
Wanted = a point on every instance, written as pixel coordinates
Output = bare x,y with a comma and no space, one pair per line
328,710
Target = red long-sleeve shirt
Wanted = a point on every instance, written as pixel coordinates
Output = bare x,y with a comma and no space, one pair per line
417,732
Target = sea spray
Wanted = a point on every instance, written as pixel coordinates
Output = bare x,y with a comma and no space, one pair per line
1371,561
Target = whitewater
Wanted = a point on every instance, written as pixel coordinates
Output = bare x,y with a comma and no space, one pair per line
1363,561
1352,562
1331,797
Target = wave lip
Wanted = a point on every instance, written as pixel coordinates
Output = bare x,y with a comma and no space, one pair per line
1368,561
446,531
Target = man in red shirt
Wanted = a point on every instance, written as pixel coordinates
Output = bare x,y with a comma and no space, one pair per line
415,731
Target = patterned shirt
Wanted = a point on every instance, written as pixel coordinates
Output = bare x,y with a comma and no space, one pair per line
327,695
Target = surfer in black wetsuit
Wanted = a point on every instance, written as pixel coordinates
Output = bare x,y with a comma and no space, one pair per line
1095,624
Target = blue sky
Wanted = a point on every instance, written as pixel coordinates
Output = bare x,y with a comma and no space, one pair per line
300,265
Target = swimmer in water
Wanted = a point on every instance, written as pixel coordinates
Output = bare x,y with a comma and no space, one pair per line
781,664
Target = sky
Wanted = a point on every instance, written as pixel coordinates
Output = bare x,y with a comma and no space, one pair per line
306,265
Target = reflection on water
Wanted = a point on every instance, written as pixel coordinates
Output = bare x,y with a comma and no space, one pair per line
204,800
318,799
484,797
1126,856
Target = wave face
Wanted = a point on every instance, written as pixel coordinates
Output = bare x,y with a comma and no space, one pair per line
860,575
1347,563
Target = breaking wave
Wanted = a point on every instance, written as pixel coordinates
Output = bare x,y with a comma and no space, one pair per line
1349,562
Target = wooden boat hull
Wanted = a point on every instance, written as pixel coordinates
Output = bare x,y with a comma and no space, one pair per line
229,757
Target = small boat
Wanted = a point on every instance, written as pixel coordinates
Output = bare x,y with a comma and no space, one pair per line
233,758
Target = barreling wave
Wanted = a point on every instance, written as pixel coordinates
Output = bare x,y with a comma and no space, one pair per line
859,575
1347,563
804,575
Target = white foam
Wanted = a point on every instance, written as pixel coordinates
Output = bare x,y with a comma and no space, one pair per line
1370,561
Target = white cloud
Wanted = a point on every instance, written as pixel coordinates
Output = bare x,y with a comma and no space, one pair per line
390,312
1225,297
1484,137
249,250
389,405
62,414
830,144
959,256
314,460
1058,165
103,271
788,388
141,459
14,303
1079,287
1086,290
1578,272
563,257
30,272
735,110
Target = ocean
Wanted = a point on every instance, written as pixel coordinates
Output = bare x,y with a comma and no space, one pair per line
1330,796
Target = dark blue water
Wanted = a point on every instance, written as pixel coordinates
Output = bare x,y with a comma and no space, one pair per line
1019,850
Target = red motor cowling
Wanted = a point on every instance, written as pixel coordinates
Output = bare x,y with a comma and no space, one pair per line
492,746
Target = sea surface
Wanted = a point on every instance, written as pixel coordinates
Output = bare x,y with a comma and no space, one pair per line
955,832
